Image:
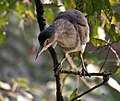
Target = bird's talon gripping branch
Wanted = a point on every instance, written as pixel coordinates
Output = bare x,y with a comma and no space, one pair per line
85,73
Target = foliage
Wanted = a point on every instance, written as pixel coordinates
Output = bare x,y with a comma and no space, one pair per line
19,31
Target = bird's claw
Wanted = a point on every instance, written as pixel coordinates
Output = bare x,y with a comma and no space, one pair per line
84,73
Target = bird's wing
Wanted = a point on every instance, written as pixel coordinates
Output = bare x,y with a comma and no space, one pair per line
79,21
83,32
74,16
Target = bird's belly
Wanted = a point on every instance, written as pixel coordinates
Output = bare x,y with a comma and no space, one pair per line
67,40
71,44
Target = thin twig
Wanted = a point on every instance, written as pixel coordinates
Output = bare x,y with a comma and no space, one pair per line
88,91
105,60
113,50
105,79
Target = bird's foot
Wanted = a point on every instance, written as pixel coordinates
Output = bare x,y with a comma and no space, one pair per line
58,68
84,73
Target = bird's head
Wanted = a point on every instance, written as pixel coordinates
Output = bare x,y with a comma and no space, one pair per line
46,39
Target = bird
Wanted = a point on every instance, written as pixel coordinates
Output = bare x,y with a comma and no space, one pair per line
70,30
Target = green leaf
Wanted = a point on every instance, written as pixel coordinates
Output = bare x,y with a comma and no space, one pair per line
79,4
117,15
3,5
21,8
23,82
107,9
49,15
73,95
94,33
3,21
30,14
98,42
110,31
89,7
118,71
2,37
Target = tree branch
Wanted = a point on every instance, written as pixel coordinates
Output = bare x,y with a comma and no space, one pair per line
59,96
42,23
105,79
81,74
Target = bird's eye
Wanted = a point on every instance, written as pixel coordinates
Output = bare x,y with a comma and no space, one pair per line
46,42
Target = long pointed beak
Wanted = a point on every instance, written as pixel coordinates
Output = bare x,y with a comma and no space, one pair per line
40,50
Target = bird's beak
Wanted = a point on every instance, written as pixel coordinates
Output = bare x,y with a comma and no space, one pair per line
40,50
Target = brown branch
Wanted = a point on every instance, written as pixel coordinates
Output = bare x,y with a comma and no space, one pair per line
42,23
105,79
40,14
81,74
57,75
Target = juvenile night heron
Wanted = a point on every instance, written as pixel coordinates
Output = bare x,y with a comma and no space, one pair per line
71,32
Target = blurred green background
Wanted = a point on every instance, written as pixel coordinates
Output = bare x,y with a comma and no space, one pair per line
18,47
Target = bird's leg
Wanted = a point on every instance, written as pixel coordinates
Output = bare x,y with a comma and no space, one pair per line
60,65
62,62
84,69
70,61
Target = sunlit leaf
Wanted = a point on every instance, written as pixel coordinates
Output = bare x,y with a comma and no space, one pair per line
23,82
2,37
98,42
3,21
49,15
72,5
20,8
118,71
114,2
3,5
73,95
30,14
94,33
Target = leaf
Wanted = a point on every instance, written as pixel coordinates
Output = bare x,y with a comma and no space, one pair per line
21,8
117,15
30,14
23,82
3,5
110,31
107,9
97,6
49,15
66,3
118,71
3,21
79,4
89,7
2,37
94,33
73,95
98,42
